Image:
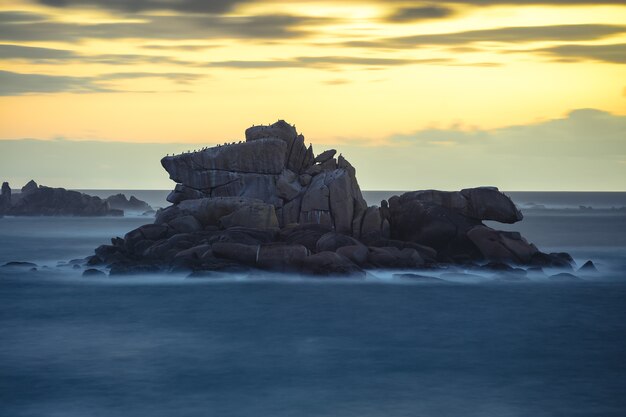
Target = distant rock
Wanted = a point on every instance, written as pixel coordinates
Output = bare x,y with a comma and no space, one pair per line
588,267
120,202
37,200
19,264
564,277
29,187
5,197
92,272
268,203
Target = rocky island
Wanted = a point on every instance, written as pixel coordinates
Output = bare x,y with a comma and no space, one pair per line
39,200
270,203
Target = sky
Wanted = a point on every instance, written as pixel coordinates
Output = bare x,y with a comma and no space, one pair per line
524,95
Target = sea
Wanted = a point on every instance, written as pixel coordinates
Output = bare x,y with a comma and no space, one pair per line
164,345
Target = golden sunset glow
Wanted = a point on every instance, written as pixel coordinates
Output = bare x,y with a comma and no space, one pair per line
352,73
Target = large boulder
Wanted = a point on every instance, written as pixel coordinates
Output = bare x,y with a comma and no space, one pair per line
306,235
330,263
501,246
483,203
332,241
281,257
435,226
392,257
333,199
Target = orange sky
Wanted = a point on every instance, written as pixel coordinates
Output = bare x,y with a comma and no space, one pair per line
348,74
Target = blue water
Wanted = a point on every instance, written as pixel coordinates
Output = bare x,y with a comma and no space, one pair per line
270,346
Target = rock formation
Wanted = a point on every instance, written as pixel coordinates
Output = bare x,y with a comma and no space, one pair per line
37,200
5,197
270,203
273,166
120,202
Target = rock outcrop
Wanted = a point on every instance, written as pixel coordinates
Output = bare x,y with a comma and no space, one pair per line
120,202
39,200
274,166
5,197
269,203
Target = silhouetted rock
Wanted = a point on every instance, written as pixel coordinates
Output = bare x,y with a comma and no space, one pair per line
588,267
29,187
120,202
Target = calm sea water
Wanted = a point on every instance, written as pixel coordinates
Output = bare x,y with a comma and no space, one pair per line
170,346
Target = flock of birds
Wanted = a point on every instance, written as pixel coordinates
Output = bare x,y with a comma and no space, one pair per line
218,145
207,147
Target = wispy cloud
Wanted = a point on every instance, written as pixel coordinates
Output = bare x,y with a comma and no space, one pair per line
613,53
565,33
582,133
170,27
412,14
15,84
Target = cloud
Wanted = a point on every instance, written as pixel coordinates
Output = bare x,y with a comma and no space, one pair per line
34,53
613,53
581,151
37,54
171,27
501,35
411,14
221,6
134,6
178,77
323,62
15,84
582,133
189,47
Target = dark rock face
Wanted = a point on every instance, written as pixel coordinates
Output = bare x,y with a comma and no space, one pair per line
500,246
37,200
483,203
120,202
269,203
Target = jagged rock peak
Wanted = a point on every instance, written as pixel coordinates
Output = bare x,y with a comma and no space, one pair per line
30,186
